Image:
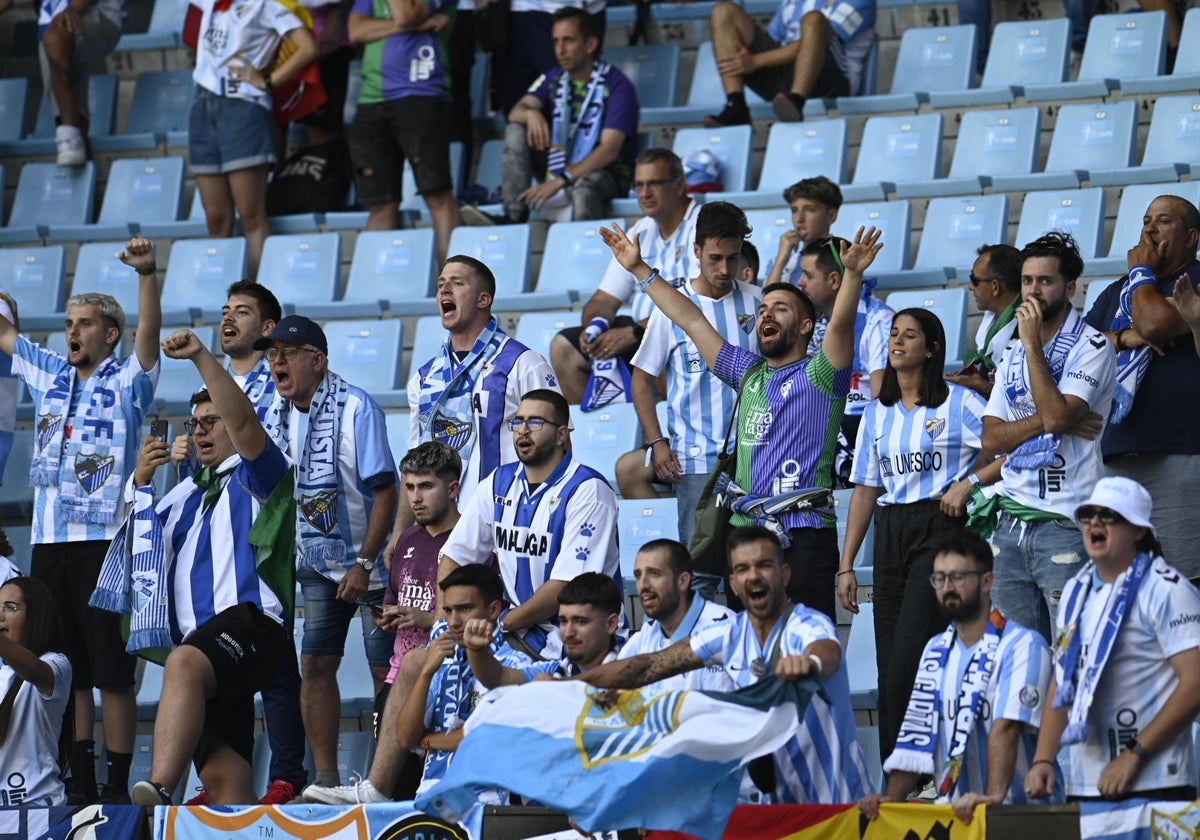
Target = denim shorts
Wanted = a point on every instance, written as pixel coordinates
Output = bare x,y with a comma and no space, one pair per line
326,621
225,134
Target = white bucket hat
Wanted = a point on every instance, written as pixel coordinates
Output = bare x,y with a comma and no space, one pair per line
1124,496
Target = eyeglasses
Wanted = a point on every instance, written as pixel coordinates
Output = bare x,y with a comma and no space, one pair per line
656,184
535,424
938,579
288,353
1107,517
205,423
831,242
11,607
975,281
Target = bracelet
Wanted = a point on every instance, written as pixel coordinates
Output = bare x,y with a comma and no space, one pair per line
153,270
1117,338
650,445
566,176
847,572
973,478
1038,761
642,284
816,660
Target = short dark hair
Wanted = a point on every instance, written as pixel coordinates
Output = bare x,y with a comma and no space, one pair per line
721,220
562,411
810,310
432,458
971,545
483,274
750,534
660,155
750,257
1004,264
678,558
199,396
587,24
481,577
933,384
819,189
1187,213
268,305
593,589
1058,244
828,252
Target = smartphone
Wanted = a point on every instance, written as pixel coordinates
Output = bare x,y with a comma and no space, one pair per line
376,609
158,429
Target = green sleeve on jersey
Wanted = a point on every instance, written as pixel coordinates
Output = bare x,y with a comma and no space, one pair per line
820,373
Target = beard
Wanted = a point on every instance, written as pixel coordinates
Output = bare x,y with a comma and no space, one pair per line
955,607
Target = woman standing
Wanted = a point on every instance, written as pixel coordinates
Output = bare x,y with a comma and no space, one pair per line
916,461
35,695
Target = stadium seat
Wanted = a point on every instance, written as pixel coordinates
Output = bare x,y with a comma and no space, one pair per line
166,22
392,270
150,689
1078,212
302,268
367,354
652,68
860,656
1087,137
1172,147
48,195
16,493
396,423
864,561
574,260
640,521
729,145
766,227
954,230
1094,288
489,173
1186,75
411,201
894,221
1021,53
158,114
950,305
505,250
98,270
990,143
143,751
795,151
193,225
904,148
178,378
102,109
706,96
1128,228
198,273
536,329
13,93
930,58
36,277
138,190
604,435
1124,46
428,338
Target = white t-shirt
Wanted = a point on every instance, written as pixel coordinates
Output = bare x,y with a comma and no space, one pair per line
651,639
673,256
249,30
29,754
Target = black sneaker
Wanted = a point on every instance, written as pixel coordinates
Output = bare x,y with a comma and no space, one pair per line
789,107
730,115
150,793
110,795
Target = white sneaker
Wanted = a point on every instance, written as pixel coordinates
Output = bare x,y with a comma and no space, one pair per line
69,141
355,794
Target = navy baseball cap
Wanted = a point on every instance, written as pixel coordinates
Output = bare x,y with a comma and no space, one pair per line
297,330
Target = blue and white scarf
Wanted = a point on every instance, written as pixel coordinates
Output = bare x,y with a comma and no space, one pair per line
1133,361
445,414
1071,687
259,387
317,474
95,451
609,382
573,140
133,577
916,743
765,510
1038,452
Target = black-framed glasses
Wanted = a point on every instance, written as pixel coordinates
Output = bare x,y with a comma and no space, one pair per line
206,423
938,579
1107,517
535,424
288,352
975,281
655,184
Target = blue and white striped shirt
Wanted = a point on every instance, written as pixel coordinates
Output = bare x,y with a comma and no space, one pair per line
673,256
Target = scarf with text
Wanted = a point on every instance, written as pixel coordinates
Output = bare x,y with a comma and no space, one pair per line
573,140
1133,361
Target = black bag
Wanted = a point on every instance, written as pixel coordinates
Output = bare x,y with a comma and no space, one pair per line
315,179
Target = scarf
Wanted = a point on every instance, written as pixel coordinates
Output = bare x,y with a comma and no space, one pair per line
917,740
317,474
1071,687
765,510
609,382
978,357
571,142
94,452
259,386
1038,452
1133,361
444,409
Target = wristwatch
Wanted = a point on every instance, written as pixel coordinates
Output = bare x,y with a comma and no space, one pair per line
366,563
1133,746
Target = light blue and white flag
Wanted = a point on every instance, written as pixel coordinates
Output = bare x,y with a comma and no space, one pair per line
670,760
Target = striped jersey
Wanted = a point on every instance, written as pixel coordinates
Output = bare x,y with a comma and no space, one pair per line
822,763
513,371
916,455
698,403
134,388
872,326
1016,691
787,427
211,565
364,462
673,256
651,638
565,526
1163,620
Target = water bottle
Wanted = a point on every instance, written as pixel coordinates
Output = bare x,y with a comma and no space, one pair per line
594,328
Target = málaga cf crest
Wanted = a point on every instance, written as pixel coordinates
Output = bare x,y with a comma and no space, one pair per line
320,510
626,728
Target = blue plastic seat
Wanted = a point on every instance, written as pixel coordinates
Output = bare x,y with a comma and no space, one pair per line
1128,228
864,561
1172,147
397,425
574,260
302,268
1078,212
898,149
198,273
990,143
392,270
930,58
1125,46
489,173
36,278
367,354
102,109
98,270
536,329
652,68
358,695
1020,53
954,230
1087,137
1094,290
860,657
138,189
166,23
20,536
795,151
16,493
150,689
729,145
48,195
1186,75
705,96
179,378
13,93
158,114
503,249
604,435
767,225
894,221
950,305
640,521
428,337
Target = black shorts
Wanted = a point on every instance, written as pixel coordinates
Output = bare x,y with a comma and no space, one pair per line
245,648
573,334
384,134
92,637
772,80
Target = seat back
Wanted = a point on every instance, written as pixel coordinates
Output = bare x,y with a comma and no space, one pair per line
392,265
935,58
53,195
804,150
1028,53
143,190
302,268
892,218
955,228
504,249
575,257
1001,142
1078,212
729,145
1125,46
200,270
652,68
367,353
896,149
1093,136
162,102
